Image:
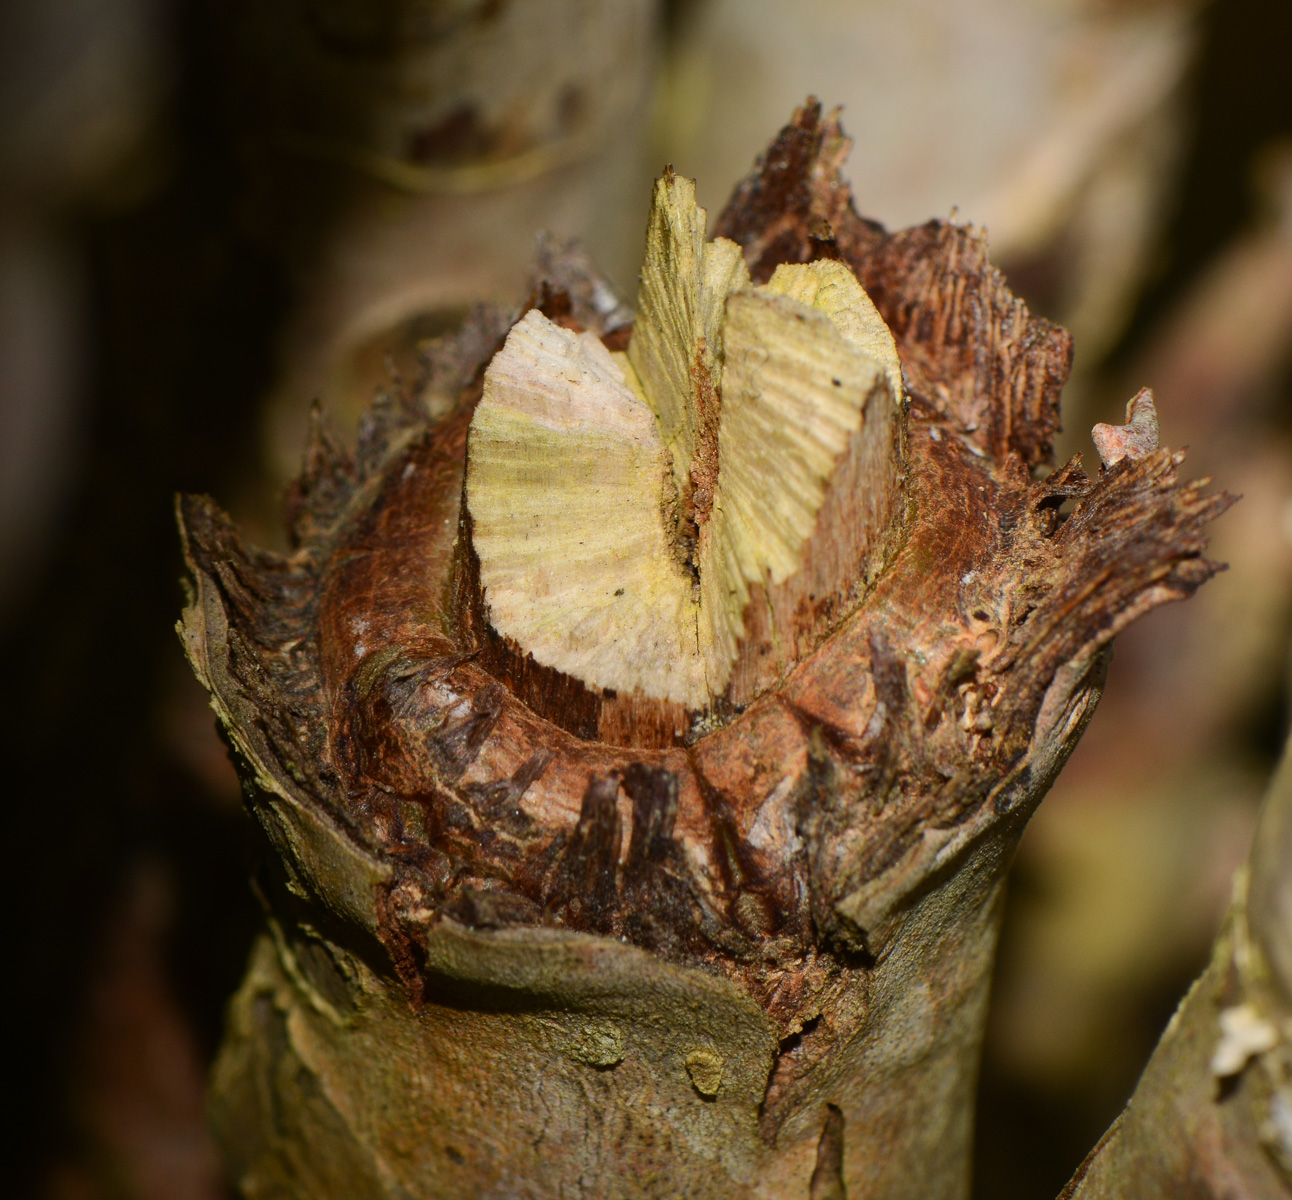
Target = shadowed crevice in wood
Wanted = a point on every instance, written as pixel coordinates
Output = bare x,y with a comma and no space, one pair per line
827,1174
584,884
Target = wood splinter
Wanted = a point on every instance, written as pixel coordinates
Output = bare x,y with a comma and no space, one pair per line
1135,440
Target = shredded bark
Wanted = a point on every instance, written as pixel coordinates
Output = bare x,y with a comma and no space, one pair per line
777,844
969,347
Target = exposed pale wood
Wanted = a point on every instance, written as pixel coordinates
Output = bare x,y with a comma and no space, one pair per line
626,554
812,462
565,484
676,349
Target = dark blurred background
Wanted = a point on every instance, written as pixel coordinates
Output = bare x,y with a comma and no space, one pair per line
211,213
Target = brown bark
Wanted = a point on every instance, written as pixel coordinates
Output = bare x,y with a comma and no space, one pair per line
746,954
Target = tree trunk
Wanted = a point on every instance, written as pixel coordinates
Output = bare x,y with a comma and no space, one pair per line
1212,1115
553,910
401,156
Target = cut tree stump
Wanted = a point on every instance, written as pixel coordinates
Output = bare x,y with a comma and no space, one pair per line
640,748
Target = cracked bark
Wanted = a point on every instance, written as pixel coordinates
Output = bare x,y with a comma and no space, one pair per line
526,937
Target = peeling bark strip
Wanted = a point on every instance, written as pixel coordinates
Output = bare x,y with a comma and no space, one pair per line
726,941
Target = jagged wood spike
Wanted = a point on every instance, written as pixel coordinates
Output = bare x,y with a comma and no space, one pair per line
677,339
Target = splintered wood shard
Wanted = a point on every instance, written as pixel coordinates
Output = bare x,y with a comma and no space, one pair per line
649,523
676,349
565,483
829,286
811,464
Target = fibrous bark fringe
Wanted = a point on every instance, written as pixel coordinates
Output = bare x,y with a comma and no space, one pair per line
528,937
